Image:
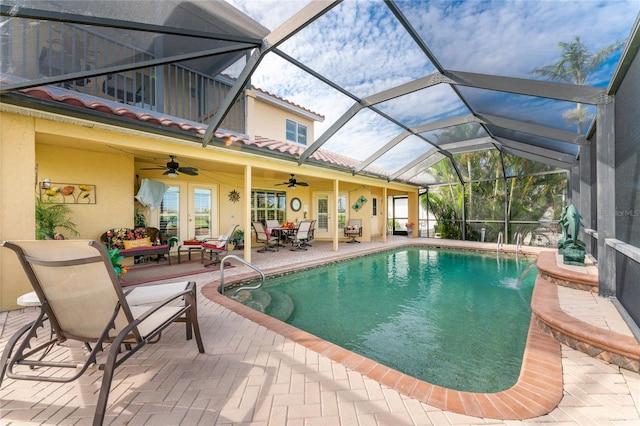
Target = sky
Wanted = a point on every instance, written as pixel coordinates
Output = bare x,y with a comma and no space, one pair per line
361,46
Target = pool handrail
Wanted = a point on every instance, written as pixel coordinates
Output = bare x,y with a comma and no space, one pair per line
518,237
246,287
499,241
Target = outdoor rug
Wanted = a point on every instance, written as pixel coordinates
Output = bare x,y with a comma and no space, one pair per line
152,271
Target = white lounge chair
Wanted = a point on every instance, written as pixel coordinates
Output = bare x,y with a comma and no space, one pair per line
82,300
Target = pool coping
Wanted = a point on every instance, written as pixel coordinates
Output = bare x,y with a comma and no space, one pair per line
538,390
607,345
571,277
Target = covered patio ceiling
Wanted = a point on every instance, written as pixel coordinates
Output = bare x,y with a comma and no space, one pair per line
408,88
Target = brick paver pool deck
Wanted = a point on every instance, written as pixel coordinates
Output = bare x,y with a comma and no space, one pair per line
260,371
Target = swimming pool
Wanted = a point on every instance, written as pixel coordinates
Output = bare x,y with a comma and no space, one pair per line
451,318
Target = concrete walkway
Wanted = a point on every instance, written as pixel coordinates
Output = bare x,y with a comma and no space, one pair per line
251,375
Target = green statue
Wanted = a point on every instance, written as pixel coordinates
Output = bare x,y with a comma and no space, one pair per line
572,249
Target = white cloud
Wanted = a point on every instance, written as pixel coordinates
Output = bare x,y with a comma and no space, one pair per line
270,13
361,46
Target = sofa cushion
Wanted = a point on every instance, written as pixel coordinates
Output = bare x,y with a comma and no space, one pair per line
137,251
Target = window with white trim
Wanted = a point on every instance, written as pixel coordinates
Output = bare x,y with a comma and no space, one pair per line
268,205
296,132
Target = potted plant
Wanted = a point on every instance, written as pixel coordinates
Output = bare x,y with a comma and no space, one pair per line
410,226
237,239
51,216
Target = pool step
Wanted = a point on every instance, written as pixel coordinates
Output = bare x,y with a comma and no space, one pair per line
281,306
271,302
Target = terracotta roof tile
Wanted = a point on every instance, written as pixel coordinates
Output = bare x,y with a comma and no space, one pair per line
286,101
107,107
278,98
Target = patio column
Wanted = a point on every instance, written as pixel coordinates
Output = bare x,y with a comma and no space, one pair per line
506,208
574,185
247,213
385,212
464,215
606,178
414,212
334,213
584,204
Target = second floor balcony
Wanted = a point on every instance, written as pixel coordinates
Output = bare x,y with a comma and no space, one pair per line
34,49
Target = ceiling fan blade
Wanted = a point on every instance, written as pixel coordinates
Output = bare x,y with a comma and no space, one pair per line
154,168
191,171
302,183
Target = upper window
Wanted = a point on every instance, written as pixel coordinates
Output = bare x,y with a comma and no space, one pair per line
296,132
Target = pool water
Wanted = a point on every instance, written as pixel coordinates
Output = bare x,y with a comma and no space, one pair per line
452,318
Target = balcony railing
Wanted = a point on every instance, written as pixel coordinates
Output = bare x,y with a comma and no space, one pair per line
35,49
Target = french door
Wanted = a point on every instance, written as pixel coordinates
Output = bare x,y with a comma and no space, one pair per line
188,210
323,212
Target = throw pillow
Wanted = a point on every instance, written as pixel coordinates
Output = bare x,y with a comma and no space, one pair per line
142,242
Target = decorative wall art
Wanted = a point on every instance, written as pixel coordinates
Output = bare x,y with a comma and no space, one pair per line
67,193
234,196
359,203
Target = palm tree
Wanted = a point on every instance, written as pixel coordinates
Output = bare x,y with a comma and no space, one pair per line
463,132
575,66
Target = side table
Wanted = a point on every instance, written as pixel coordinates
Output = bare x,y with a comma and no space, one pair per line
188,247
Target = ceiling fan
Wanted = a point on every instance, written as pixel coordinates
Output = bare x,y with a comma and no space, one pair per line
292,182
172,168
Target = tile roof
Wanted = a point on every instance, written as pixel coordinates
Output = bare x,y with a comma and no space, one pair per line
79,100
287,102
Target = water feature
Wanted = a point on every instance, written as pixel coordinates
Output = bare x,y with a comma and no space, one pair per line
444,316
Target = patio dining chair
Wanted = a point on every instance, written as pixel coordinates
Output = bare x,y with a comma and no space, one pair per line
300,239
217,246
271,224
81,299
262,236
312,232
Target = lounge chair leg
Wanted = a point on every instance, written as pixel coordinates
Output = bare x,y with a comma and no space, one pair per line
6,354
191,298
105,388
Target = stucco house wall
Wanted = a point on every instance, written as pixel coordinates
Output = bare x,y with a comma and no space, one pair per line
37,145
17,181
268,117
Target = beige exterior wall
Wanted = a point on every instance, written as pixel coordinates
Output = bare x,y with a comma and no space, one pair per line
35,145
17,200
112,175
269,120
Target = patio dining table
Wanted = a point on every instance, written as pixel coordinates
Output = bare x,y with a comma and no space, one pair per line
283,231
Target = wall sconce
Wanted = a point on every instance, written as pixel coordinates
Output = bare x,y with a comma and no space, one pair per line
46,184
